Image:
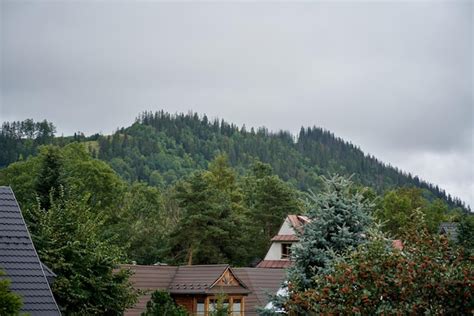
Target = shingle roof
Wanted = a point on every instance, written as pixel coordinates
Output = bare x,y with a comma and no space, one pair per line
197,280
20,262
262,283
148,279
201,279
274,264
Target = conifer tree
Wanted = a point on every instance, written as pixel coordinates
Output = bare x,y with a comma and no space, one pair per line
339,218
269,200
48,180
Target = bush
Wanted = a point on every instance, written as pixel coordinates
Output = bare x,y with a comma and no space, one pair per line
429,276
10,303
161,304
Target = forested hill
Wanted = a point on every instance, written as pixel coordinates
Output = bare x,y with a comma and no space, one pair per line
160,148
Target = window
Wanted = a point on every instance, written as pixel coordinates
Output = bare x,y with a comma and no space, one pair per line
285,251
236,307
200,307
206,306
213,304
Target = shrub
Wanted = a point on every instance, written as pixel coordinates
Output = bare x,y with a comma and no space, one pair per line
161,304
429,276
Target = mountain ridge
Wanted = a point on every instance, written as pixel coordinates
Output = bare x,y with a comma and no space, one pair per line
161,148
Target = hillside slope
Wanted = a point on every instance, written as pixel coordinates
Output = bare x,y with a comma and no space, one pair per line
160,148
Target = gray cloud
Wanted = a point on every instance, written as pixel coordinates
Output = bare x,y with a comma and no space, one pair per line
395,78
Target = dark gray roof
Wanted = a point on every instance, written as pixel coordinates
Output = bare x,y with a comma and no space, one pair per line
20,262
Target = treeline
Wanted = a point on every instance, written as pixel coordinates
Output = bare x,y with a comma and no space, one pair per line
160,148
188,141
21,138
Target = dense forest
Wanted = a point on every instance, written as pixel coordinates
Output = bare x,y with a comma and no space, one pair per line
160,148
179,189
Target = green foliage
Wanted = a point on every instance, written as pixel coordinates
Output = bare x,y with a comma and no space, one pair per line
430,276
212,226
21,139
339,218
161,304
176,145
268,200
48,180
70,166
466,233
73,168
144,225
221,306
161,148
398,206
10,303
69,241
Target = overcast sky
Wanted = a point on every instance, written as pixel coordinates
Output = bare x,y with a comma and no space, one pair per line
395,78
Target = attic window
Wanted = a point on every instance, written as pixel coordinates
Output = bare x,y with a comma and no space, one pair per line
285,250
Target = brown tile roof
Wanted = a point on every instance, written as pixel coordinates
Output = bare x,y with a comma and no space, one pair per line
261,282
274,264
285,238
297,221
148,279
151,277
197,280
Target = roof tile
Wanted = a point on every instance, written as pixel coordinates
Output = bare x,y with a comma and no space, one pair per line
20,262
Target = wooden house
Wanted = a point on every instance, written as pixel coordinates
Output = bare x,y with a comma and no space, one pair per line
198,287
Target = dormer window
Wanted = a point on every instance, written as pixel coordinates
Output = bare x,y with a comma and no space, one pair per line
285,250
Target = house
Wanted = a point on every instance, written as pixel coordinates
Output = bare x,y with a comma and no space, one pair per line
197,287
448,229
278,256
20,262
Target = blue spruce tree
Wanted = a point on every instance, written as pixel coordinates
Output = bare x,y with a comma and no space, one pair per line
339,217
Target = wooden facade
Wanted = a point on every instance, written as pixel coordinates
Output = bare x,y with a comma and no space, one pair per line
202,305
226,288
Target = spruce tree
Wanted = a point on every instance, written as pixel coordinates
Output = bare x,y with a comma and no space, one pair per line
339,217
48,180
